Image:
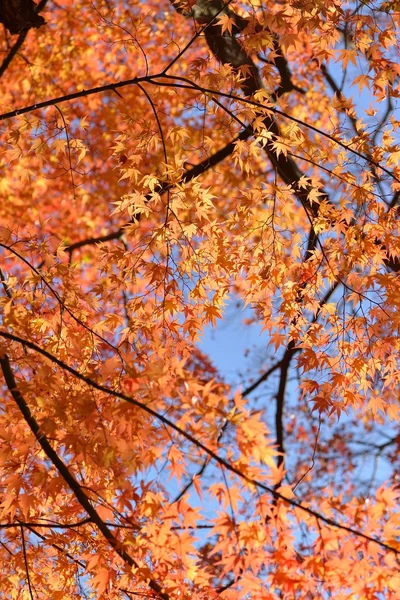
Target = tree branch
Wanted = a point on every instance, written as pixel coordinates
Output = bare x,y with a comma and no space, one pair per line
19,42
66,474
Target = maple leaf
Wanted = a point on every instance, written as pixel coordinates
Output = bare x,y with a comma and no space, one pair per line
226,22
280,147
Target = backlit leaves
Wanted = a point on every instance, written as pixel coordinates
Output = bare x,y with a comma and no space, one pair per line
200,167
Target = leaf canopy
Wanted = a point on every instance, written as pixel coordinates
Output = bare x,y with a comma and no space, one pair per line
174,168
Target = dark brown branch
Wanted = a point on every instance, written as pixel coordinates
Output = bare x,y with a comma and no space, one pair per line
261,379
141,594
228,50
395,199
46,525
286,83
12,53
335,88
280,401
29,525
4,284
18,44
218,7
280,62
109,87
19,16
66,474
101,239
28,577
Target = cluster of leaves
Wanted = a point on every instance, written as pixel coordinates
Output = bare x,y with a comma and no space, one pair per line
159,161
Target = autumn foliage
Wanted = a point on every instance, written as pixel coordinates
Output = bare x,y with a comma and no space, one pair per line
166,167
